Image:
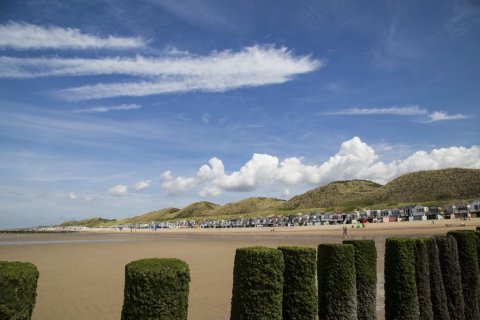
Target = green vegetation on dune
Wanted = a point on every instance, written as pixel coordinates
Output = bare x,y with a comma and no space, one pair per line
440,185
334,194
159,215
197,209
249,205
93,222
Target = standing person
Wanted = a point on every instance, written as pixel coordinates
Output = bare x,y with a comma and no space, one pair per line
345,233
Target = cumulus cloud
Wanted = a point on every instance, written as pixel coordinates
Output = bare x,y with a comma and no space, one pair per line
140,185
103,109
176,186
216,72
444,116
25,36
119,190
354,160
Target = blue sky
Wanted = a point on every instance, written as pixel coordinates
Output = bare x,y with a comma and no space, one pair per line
117,108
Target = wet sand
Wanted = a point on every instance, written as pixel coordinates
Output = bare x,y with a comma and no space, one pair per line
82,274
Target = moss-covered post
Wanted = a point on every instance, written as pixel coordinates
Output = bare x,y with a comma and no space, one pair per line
468,259
18,290
422,267
257,284
451,275
337,292
366,278
437,289
299,283
156,289
477,234
401,300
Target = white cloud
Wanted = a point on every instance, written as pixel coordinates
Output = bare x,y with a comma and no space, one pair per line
176,186
140,185
217,72
75,196
24,36
444,116
103,109
397,111
355,160
403,111
119,190
88,198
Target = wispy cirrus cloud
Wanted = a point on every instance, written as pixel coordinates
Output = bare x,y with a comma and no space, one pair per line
432,116
104,109
25,36
216,72
396,111
444,116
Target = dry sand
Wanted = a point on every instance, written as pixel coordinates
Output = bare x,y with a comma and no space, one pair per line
82,275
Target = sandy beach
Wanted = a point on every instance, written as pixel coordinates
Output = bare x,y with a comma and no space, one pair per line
82,274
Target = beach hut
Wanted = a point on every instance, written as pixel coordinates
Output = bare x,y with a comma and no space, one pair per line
460,210
420,212
376,215
407,212
325,218
474,208
433,213
365,214
394,214
389,215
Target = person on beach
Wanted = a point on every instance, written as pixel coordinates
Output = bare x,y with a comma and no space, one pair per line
345,233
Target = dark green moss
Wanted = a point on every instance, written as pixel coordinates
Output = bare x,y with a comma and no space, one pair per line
401,300
156,289
422,267
451,275
299,286
18,290
257,284
366,277
477,234
437,289
337,292
468,259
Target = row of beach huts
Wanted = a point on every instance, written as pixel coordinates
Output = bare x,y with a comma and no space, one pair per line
407,213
